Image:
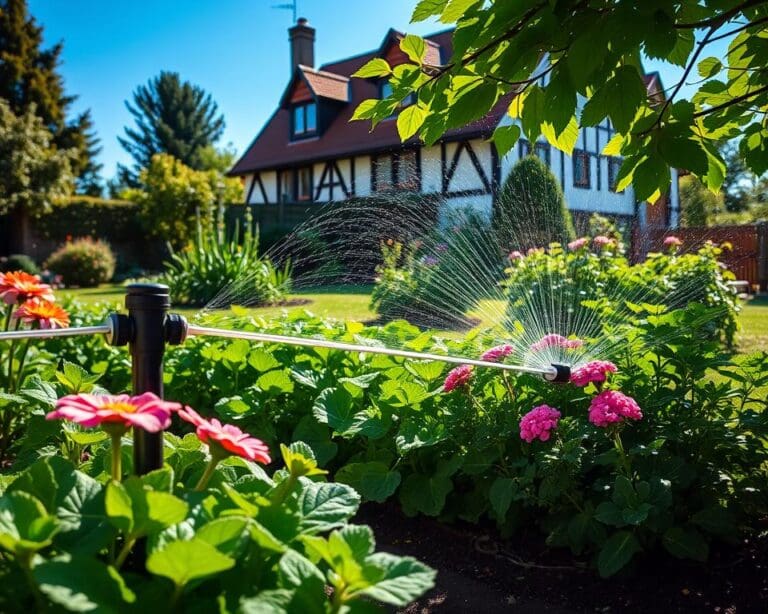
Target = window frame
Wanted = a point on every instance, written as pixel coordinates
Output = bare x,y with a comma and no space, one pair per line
291,177
302,110
580,154
613,175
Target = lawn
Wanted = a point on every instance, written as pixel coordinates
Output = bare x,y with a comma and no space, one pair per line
352,303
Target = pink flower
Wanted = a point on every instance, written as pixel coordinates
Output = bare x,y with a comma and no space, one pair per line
553,340
226,438
538,423
602,241
535,250
146,411
672,242
457,378
495,354
515,255
578,244
18,286
596,371
611,406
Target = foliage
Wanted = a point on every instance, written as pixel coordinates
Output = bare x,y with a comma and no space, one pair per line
426,281
697,204
18,262
594,51
83,262
33,174
561,284
80,216
215,261
530,209
173,117
30,80
172,194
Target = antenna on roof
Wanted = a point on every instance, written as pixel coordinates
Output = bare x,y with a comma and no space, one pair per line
290,6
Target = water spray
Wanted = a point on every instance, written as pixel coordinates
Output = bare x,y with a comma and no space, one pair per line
148,327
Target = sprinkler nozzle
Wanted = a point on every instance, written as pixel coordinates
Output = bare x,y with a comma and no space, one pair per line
561,374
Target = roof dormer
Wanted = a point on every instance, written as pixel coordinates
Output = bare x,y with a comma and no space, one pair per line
314,98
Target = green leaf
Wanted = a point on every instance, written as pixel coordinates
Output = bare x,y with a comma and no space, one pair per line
414,47
685,543
136,511
261,360
456,9
626,92
295,569
377,67
403,579
613,147
325,506
650,177
318,437
25,525
300,461
85,438
184,561
616,552
227,534
682,152
366,109
501,495
566,140
424,493
75,378
360,540
410,120
610,513
275,382
83,584
334,407
504,138
709,67
426,8
373,480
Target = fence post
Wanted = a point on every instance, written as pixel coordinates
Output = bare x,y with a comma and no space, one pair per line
762,255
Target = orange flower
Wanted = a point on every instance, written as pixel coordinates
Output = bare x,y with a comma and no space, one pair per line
43,313
18,286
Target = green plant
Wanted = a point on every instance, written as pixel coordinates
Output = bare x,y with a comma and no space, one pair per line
530,208
18,262
83,262
215,261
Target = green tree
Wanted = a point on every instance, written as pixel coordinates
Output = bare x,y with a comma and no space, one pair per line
698,205
546,55
33,173
29,78
530,210
172,194
174,117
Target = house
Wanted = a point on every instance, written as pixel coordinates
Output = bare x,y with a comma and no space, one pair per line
309,152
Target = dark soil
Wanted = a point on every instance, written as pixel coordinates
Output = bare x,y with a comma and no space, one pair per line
480,572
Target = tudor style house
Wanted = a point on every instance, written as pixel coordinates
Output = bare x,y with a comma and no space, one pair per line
310,152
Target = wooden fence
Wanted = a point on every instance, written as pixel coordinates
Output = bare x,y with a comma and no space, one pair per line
747,256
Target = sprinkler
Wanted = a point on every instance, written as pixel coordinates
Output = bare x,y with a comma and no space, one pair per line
148,327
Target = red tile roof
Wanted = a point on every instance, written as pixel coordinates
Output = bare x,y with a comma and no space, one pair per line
272,148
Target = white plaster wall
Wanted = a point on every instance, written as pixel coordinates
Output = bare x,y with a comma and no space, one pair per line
269,180
431,173
465,176
363,175
247,181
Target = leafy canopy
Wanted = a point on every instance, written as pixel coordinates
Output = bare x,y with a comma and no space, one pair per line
542,59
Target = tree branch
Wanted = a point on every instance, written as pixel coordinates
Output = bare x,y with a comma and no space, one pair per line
719,20
733,101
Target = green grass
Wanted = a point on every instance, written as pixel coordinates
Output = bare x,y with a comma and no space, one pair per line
351,303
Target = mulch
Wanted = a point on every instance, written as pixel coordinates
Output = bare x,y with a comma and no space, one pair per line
480,572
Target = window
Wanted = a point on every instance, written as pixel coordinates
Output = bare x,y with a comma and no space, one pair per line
614,166
304,120
581,169
296,185
400,170
540,150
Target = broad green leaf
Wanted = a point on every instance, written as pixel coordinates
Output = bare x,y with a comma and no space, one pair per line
613,147
83,584
626,92
414,47
686,543
318,437
504,138
294,570
85,438
25,525
649,177
410,120
366,109
75,378
455,9
377,67
137,511
501,494
261,360
360,540
117,504
424,493
373,480
709,67
300,461
403,579
426,8
275,382
325,506
566,140
225,534
616,552
184,561
681,152
334,407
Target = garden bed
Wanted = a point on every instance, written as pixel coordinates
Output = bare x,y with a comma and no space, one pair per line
478,572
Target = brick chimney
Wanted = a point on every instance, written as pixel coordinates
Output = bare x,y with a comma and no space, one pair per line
302,37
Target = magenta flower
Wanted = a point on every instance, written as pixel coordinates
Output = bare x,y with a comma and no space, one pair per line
672,242
457,378
601,241
596,371
611,406
226,439
515,255
554,340
145,411
498,353
539,423
578,244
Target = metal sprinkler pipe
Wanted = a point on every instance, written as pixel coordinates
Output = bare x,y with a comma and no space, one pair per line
50,333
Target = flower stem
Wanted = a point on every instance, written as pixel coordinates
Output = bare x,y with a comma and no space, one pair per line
117,457
207,474
124,551
622,454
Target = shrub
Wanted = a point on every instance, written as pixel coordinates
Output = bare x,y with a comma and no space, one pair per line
530,209
214,263
83,262
114,221
18,262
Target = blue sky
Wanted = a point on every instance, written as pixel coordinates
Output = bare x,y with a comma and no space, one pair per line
236,49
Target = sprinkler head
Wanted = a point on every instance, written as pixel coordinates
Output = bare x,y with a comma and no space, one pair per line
562,374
